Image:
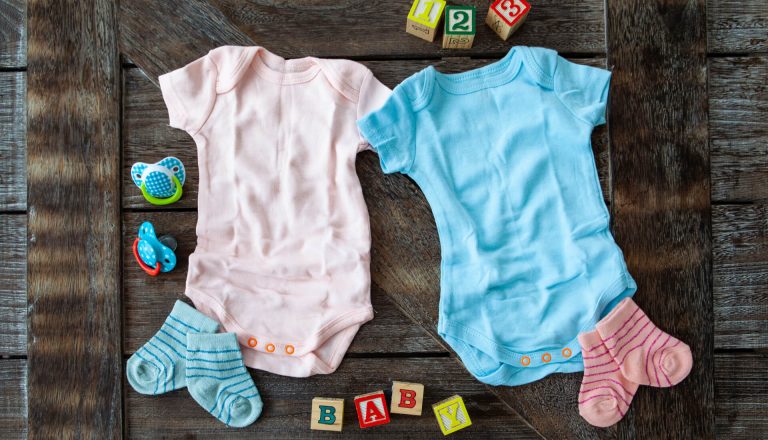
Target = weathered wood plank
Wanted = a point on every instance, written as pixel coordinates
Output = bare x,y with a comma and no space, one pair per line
287,404
13,36
740,286
148,138
13,285
371,29
741,395
738,105
13,399
737,26
147,300
661,201
73,269
13,177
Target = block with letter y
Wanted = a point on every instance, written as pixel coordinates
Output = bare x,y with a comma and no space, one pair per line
451,414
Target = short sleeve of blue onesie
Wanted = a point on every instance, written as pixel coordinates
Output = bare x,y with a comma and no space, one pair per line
503,156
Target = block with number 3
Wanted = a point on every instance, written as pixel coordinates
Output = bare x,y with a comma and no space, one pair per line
424,18
505,16
459,27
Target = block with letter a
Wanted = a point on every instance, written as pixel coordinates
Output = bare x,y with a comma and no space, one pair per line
407,398
505,16
372,409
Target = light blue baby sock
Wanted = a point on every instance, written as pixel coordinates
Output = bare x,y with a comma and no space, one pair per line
218,381
160,365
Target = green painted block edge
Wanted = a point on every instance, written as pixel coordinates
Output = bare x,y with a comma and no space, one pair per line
458,8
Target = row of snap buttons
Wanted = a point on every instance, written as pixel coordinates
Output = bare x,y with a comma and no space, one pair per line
252,342
546,357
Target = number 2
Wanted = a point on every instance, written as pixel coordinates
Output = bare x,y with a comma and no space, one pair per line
463,23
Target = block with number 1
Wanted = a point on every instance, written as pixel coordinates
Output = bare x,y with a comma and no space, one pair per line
424,18
459,27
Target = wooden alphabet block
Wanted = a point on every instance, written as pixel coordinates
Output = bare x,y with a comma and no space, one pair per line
505,16
327,414
372,409
424,18
451,414
407,398
460,28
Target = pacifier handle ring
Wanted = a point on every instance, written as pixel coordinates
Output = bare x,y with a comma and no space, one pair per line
160,202
147,269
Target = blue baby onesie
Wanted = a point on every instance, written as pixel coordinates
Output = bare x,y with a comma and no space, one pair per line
503,155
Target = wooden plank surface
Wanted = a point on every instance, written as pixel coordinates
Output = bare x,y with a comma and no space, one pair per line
738,102
147,300
13,399
661,200
13,176
74,225
741,395
13,37
148,138
13,295
371,29
737,26
287,404
740,248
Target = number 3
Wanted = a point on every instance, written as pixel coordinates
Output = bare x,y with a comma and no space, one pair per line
510,5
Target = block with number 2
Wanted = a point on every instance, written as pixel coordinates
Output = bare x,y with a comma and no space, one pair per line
459,27
505,16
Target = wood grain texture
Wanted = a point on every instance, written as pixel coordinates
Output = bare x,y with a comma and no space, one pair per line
740,286
13,399
13,36
287,405
376,28
737,26
661,201
148,138
741,395
13,285
13,176
73,267
147,300
738,118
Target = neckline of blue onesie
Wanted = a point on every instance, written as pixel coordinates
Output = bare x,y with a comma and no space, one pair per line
503,156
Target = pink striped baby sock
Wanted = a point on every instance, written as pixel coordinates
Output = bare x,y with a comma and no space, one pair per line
644,353
605,394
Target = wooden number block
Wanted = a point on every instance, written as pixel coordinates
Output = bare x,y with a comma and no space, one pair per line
505,16
327,414
407,398
372,409
459,27
451,415
424,18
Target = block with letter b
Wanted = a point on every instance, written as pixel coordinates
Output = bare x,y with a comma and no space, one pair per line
327,414
505,16
451,414
459,27
424,18
372,409
407,398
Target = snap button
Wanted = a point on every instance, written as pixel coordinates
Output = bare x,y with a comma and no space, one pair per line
270,347
252,342
546,357
567,352
525,361
289,349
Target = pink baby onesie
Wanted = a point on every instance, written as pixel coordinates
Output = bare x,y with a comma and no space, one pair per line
283,239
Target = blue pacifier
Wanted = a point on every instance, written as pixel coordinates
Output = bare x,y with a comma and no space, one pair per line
154,254
160,182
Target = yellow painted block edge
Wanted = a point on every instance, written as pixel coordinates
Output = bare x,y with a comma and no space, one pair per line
412,16
442,404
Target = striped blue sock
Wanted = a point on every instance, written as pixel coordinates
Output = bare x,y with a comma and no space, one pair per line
159,366
218,381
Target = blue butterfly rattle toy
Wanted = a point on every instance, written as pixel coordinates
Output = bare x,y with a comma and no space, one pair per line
154,254
160,182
